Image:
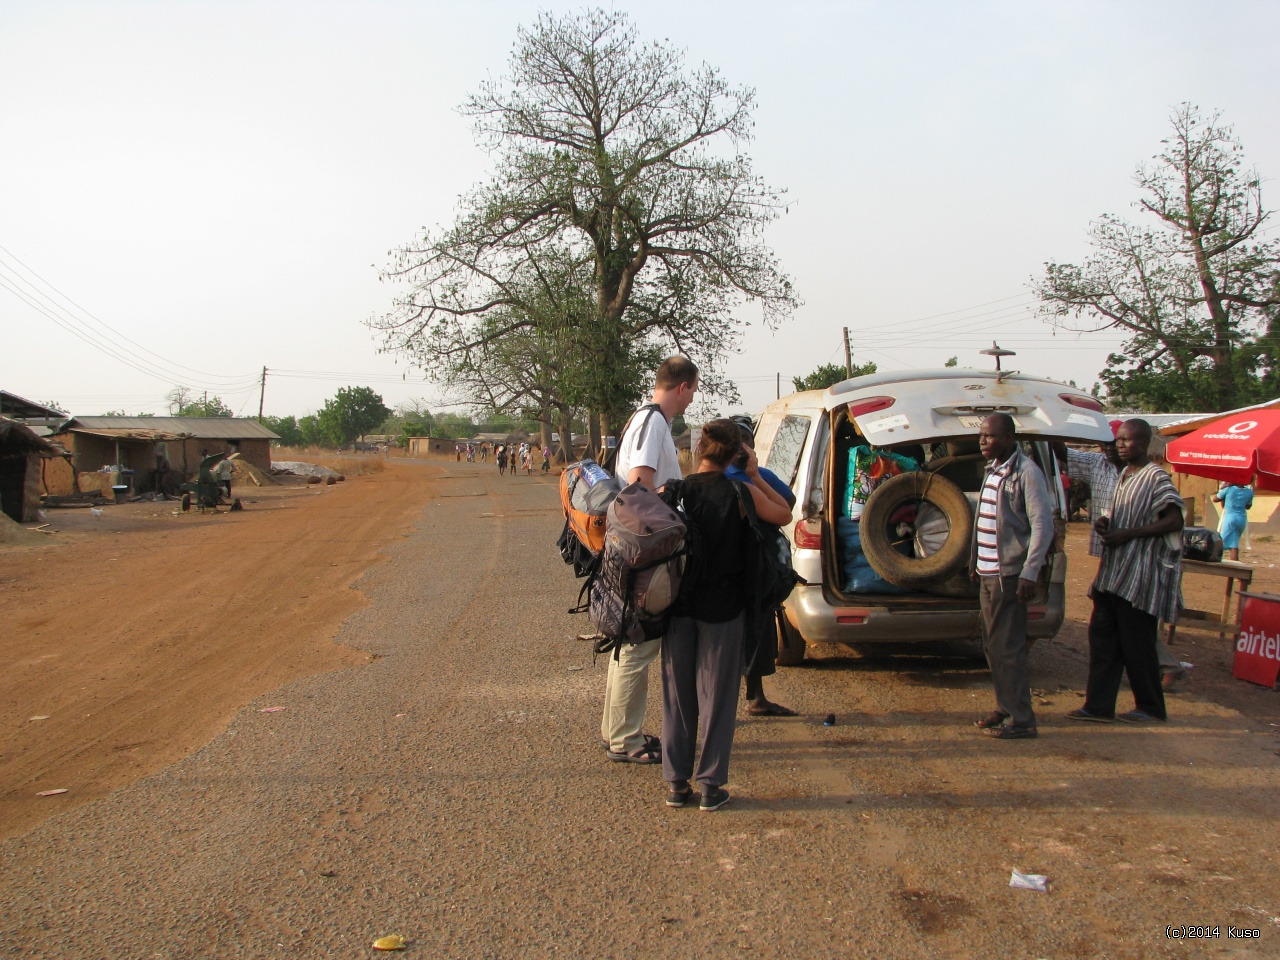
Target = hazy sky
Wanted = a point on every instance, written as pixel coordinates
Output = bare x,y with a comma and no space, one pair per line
215,185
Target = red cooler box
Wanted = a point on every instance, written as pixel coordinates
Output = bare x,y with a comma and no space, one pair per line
1258,645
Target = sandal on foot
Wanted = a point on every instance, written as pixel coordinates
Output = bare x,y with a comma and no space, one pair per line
995,718
1083,714
1138,716
650,742
645,754
771,709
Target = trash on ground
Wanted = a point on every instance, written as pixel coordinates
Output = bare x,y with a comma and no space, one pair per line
38,716
393,942
299,469
271,709
830,720
575,668
1029,881
52,793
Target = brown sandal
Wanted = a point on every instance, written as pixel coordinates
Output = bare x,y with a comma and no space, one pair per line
995,718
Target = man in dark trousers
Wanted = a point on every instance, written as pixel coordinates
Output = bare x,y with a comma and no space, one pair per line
1139,583
1012,533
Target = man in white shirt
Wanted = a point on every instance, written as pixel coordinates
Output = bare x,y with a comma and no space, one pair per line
646,455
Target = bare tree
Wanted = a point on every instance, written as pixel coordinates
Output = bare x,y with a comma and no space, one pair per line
1194,288
612,153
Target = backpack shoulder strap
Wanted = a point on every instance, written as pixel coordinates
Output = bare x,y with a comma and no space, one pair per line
611,461
747,504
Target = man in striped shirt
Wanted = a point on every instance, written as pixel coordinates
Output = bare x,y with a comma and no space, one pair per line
1139,583
1012,534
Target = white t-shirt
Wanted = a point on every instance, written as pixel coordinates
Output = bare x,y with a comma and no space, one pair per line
648,443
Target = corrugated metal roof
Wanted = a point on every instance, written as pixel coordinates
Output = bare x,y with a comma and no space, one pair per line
21,408
199,428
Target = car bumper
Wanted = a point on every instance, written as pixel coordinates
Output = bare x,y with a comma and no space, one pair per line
819,621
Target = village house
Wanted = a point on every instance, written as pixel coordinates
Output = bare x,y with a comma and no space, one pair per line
150,453
23,457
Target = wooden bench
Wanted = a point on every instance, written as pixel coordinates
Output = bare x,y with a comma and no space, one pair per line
1231,572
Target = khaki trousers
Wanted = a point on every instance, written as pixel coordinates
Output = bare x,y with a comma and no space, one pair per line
626,694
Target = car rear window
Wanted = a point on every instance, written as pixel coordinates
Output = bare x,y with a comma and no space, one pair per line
788,444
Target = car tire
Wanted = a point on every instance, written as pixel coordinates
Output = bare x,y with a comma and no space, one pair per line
937,550
791,646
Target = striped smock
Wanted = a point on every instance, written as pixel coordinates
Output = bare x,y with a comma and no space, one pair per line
1147,571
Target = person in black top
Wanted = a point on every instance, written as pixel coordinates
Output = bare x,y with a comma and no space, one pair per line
702,649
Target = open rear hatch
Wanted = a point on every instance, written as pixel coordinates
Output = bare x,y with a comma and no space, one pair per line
934,417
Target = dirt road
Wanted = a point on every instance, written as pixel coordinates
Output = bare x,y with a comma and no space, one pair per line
448,783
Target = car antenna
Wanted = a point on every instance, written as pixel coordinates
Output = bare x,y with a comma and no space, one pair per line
997,351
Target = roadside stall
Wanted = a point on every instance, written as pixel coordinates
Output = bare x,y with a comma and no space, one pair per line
1241,447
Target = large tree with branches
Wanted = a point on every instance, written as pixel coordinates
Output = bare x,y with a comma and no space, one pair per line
611,155
1197,288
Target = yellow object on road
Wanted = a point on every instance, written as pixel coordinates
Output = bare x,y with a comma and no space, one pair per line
393,942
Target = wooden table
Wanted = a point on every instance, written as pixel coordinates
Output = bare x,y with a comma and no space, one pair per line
1230,571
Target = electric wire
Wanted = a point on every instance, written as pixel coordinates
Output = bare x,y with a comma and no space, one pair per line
68,315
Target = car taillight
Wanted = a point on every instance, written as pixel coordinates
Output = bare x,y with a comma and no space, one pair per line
849,616
1037,613
1077,400
809,534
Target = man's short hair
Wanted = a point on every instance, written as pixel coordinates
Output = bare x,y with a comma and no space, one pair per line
675,371
1139,428
1007,427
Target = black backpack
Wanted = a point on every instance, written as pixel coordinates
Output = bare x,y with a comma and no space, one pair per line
770,575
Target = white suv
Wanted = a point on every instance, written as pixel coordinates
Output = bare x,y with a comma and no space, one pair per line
915,529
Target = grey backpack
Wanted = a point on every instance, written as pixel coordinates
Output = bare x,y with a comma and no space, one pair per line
630,596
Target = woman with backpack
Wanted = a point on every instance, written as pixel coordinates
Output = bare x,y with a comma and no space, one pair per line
702,649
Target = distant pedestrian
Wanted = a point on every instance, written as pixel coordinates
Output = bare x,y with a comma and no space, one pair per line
1236,499
1139,583
546,458
502,459
223,474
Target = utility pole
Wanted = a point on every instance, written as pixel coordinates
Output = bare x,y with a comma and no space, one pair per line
848,357
262,394
778,386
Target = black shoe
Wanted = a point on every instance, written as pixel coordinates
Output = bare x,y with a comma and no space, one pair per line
1012,731
713,798
679,794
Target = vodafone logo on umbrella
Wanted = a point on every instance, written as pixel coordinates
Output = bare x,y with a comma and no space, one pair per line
1237,431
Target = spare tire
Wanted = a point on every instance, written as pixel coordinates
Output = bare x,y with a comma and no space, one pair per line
916,529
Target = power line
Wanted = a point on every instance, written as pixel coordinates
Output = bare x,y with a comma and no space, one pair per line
86,314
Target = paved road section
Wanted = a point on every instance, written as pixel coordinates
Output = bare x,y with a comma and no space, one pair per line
454,790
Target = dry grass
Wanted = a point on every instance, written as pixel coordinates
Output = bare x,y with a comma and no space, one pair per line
347,464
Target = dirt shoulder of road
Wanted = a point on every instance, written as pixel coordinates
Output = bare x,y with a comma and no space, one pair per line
135,634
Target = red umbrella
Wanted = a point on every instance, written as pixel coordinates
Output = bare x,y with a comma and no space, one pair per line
1235,449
